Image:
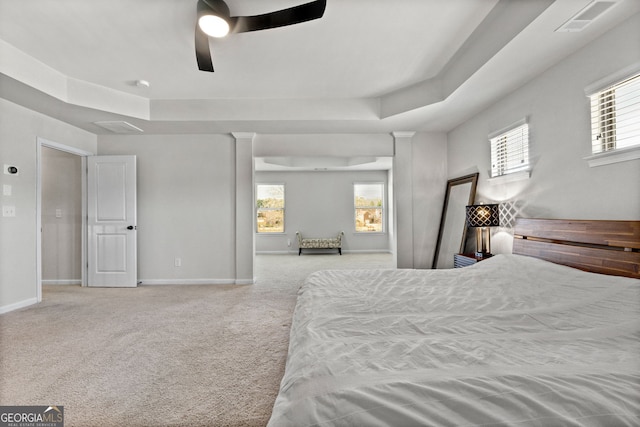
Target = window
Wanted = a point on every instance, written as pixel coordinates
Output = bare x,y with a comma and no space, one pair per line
510,150
615,116
270,208
369,207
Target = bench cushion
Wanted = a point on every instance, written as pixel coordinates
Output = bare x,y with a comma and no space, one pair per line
315,243
319,242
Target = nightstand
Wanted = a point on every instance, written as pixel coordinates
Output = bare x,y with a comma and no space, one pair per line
464,260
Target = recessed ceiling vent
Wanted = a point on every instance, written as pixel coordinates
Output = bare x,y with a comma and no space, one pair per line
586,16
119,127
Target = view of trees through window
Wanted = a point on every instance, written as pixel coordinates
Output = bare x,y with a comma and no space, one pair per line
368,203
270,208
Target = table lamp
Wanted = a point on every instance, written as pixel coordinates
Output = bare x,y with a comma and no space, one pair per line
481,217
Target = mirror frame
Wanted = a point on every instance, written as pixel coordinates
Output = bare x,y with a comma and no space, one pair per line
473,179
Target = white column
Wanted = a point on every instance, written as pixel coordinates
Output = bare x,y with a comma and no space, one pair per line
403,198
244,220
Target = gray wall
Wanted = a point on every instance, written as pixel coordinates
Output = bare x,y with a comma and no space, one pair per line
61,217
320,204
186,199
186,206
415,187
19,129
562,185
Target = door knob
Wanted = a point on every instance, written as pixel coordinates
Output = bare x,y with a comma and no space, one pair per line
131,227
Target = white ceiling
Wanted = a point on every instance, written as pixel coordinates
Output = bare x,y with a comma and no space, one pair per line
357,50
367,66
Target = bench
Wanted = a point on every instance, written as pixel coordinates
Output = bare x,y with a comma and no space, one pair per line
319,243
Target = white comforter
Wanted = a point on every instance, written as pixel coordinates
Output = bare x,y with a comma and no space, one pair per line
511,340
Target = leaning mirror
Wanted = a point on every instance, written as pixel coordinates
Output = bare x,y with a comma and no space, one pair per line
453,228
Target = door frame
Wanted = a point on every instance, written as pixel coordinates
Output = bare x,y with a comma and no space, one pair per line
42,142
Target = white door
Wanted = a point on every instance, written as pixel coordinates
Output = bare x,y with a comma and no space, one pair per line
111,211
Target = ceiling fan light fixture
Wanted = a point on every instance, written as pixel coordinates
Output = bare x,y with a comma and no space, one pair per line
213,25
214,20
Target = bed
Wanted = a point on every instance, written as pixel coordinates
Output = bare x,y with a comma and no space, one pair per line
517,339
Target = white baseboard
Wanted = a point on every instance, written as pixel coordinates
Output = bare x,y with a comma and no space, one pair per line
17,305
367,251
172,282
344,251
62,282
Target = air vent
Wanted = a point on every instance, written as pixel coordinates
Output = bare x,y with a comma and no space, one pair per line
586,16
119,127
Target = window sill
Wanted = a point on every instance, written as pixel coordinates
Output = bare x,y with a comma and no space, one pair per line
512,177
614,156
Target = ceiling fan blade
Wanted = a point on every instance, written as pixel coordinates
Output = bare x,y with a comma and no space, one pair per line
293,15
203,53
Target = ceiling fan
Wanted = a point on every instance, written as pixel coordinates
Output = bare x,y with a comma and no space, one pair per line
214,20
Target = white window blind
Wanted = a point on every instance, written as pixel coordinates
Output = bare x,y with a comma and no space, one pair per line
615,116
510,151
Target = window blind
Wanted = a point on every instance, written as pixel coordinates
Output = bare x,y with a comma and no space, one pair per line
615,116
510,151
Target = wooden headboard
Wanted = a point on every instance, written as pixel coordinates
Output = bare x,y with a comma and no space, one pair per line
608,247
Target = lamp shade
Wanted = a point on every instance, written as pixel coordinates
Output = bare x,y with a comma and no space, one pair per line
483,215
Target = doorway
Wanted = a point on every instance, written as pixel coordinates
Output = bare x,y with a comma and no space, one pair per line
61,179
60,215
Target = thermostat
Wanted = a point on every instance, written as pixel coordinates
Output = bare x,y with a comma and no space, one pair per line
10,170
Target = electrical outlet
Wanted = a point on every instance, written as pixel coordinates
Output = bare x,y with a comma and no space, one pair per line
8,211
178,262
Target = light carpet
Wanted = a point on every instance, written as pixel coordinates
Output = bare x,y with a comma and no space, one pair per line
161,355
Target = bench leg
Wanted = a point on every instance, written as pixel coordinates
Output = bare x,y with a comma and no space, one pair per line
340,251
299,251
